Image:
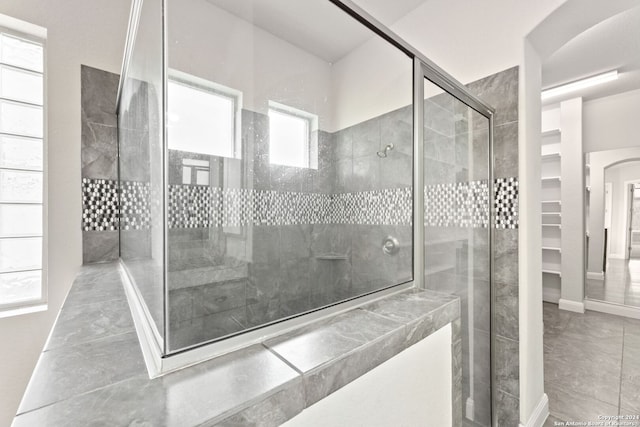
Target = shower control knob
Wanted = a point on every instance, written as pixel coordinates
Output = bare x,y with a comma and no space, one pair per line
390,245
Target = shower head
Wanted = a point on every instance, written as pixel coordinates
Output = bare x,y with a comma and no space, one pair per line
384,152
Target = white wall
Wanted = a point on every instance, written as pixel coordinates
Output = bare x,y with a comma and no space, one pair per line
469,40
573,195
530,237
412,388
600,160
610,122
213,44
619,176
79,32
362,88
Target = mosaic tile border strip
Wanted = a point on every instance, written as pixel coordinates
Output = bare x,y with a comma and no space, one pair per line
195,207
191,206
462,204
99,205
506,203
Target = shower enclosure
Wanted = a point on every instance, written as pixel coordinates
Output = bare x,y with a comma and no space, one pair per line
282,160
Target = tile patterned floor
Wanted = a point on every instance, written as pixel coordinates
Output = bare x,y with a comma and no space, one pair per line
592,365
621,284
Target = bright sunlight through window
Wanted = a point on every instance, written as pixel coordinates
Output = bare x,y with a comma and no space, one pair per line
289,136
21,170
201,120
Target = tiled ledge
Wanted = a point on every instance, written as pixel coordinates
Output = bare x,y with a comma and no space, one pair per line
92,370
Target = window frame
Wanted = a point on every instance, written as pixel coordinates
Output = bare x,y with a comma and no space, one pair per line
34,34
310,146
217,89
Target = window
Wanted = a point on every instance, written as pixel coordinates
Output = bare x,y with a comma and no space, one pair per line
203,117
21,171
290,142
195,171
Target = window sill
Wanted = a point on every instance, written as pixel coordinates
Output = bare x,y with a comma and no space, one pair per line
18,311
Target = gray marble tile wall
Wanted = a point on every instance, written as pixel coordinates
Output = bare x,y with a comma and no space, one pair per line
359,168
289,268
501,91
282,270
279,274
99,151
456,259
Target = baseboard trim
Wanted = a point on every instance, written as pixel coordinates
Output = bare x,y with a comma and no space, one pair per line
540,414
550,295
595,276
576,307
612,308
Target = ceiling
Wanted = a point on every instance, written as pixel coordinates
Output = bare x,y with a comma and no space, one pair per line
610,45
316,26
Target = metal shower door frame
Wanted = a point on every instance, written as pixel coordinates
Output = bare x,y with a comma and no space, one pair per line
424,71
424,68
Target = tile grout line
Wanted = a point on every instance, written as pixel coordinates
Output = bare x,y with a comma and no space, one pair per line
83,394
279,356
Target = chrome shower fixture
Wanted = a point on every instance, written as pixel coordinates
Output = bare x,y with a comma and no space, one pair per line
384,152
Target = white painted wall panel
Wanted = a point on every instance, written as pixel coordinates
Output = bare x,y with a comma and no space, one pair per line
411,389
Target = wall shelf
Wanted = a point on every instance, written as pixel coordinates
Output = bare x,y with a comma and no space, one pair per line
550,248
552,225
551,156
550,271
551,178
551,132
551,201
552,213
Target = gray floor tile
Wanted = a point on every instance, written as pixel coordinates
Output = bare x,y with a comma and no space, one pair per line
625,411
586,369
592,364
571,406
632,327
598,329
621,284
630,386
555,321
552,421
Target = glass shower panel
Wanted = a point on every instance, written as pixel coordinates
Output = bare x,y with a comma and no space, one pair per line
140,129
294,171
457,227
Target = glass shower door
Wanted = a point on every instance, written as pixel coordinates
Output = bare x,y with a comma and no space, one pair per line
457,228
